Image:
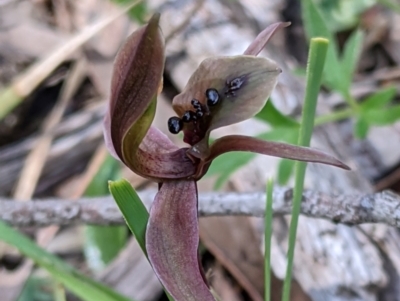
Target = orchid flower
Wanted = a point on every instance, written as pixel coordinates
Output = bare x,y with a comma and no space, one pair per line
222,91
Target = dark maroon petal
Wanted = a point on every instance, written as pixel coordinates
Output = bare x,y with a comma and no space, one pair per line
172,240
275,149
107,135
158,158
263,37
137,75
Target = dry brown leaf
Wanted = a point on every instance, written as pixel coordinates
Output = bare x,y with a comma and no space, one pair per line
232,241
222,286
131,274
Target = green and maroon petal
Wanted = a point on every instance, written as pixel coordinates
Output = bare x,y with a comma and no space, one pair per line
242,85
270,148
137,77
263,37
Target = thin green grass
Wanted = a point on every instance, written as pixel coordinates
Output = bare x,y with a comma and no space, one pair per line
315,66
132,208
267,240
84,287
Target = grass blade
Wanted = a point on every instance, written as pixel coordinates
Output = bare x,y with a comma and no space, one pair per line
267,240
315,66
132,208
82,286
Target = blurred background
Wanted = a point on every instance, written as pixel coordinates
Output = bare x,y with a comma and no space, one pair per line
56,59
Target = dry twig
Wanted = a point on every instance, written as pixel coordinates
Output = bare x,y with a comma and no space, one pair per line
382,207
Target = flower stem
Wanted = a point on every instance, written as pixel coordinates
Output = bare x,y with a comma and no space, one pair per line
267,240
315,66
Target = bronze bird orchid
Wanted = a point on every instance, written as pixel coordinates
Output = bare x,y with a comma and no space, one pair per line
223,90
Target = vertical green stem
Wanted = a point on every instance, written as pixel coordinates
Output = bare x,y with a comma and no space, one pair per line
267,240
315,66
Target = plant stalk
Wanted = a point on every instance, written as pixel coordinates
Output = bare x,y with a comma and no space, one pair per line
315,66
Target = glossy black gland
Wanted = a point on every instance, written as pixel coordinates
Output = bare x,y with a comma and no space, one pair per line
236,83
199,113
175,125
188,116
196,104
212,97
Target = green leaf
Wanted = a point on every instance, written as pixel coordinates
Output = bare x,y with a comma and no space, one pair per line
138,12
316,26
82,286
379,99
299,71
223,178
132,208
228,163
285,170
37,289
274,117
341,15
103,243
288,135
361,128
351,55
383,116
109,170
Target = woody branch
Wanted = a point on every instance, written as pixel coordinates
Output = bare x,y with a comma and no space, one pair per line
382,207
